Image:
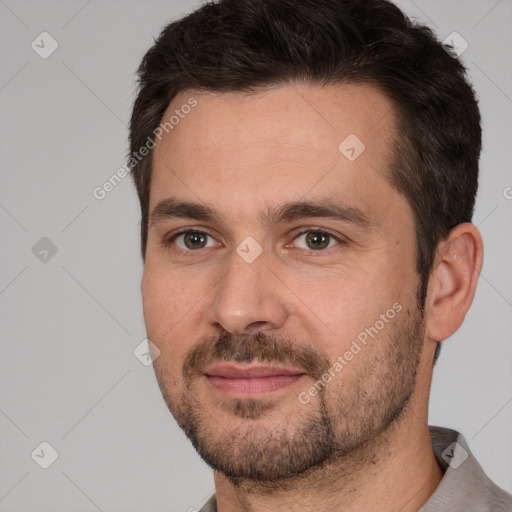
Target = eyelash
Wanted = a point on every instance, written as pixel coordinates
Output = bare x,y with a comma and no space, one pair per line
169,239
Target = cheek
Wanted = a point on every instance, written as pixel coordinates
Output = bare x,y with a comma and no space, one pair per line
168,307
344,309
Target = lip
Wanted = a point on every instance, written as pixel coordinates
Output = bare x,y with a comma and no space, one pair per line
233,371
250,381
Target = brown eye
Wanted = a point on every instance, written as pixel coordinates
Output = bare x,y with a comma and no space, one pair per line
316,240
192,240
195,240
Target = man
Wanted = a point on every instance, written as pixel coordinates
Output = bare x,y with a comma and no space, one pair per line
306,232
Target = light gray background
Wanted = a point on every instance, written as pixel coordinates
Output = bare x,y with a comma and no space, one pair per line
68,374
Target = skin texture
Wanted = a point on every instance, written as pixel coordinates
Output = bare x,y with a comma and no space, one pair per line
362,442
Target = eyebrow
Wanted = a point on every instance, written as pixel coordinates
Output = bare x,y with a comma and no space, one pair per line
286,212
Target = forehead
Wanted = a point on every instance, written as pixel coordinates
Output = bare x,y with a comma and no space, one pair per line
283,143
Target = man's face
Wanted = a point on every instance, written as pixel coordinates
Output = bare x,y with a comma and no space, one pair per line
262,295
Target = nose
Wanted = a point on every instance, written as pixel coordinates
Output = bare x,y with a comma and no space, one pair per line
249,298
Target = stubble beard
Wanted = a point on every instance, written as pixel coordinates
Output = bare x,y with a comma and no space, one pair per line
346,419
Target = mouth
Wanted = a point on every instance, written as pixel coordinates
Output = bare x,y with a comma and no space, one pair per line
250,381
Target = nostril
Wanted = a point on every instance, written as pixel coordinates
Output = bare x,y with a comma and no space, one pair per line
256,325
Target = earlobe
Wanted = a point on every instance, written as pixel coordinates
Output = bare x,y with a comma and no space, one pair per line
452,284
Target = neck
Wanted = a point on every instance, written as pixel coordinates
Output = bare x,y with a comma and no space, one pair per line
396,470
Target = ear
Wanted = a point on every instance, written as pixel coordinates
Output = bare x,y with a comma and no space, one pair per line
452,283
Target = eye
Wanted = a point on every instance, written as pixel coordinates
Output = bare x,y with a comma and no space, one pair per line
191,240
316,240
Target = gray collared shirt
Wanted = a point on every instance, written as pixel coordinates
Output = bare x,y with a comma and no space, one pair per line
464,486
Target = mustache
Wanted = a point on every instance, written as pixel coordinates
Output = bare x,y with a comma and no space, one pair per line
258,347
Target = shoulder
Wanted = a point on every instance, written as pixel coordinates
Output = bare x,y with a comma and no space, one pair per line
465,487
